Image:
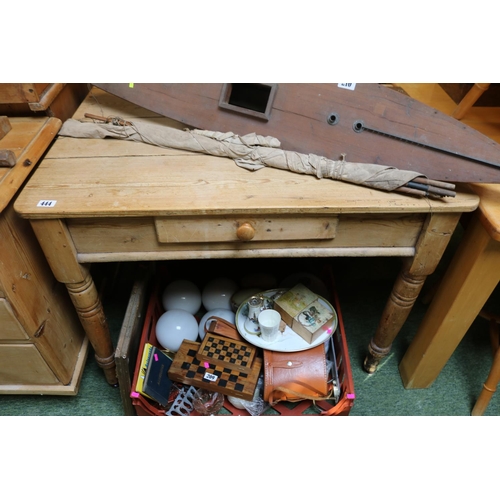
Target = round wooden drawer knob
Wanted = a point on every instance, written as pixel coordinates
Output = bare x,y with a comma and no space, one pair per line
245,232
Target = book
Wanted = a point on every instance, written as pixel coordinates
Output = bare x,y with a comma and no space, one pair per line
146,354
157,384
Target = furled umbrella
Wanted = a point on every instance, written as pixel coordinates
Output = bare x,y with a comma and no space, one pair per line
254,151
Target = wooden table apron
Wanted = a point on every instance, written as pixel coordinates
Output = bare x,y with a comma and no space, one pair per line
119,201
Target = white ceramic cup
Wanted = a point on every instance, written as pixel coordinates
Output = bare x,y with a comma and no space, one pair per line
269,322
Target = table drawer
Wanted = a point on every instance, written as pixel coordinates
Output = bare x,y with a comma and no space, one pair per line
136,238
220,229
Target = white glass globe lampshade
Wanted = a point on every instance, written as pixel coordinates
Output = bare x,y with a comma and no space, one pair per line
174,326
217,293
220,313
182,294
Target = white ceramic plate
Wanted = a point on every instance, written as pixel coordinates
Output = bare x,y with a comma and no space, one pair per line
289,341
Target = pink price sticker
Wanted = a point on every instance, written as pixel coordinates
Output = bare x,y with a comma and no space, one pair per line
206,365
350,395
156,357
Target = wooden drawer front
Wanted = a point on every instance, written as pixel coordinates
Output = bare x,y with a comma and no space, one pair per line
10,328
23,364
220,229
137,238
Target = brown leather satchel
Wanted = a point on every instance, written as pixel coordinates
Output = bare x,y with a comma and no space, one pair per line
294,376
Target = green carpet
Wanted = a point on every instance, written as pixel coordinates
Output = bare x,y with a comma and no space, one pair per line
363,286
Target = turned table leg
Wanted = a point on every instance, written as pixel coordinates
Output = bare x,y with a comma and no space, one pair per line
89,308
429,249
398,307
61,255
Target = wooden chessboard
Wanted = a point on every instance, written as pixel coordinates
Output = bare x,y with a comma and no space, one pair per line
226,352
188,369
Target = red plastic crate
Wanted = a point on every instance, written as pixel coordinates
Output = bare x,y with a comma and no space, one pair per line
146,407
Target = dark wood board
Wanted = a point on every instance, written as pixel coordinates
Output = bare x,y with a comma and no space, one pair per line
428,141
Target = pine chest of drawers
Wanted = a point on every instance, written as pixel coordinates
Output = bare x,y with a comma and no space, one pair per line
42,343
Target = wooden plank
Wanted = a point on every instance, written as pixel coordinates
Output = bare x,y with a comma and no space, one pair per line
269,253
451,151
202,185
28,139
130,336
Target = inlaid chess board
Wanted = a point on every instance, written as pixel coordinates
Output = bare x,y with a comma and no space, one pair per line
188,369
226,352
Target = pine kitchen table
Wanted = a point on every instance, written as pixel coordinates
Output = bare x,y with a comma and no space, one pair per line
106,200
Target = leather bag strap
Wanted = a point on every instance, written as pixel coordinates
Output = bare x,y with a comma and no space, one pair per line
298,395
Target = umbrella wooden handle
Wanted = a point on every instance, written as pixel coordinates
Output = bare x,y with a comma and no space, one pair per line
245,232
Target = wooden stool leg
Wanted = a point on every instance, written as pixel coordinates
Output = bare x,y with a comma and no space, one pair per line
489,388
494,335
470,99
493,379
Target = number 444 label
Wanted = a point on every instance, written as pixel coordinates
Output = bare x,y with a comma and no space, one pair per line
349,86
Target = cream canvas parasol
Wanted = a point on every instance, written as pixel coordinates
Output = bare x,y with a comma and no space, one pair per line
254,152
